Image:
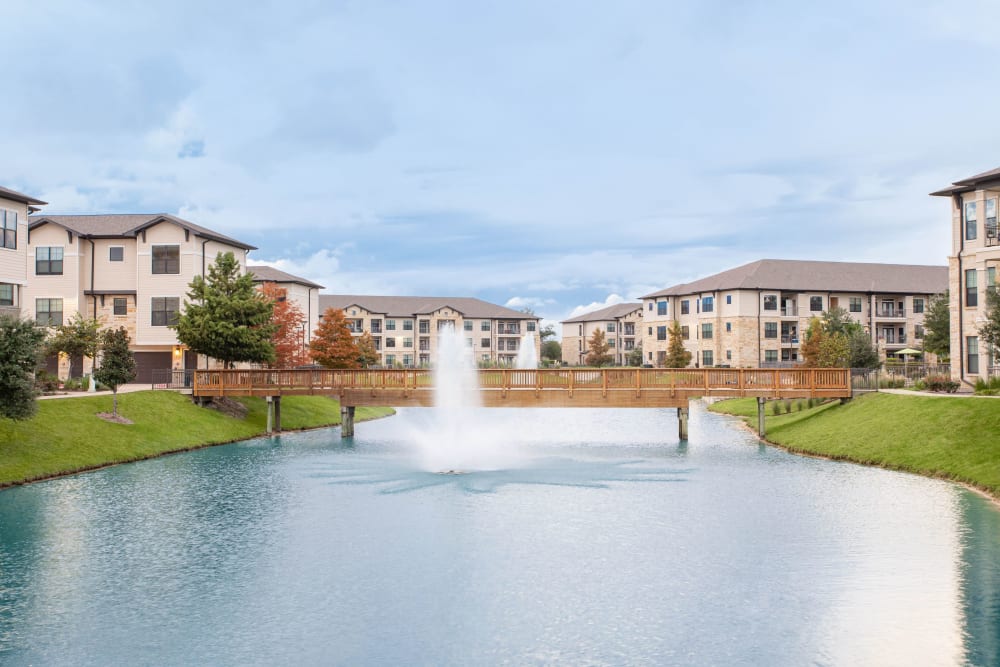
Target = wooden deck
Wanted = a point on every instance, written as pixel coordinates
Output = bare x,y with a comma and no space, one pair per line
556,388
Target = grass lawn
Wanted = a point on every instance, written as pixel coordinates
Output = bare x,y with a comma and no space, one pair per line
950,437
66,435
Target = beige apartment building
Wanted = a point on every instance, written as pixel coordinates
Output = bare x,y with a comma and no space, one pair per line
14,210
622,327
757,314
405,328
304,293
126,270
972,271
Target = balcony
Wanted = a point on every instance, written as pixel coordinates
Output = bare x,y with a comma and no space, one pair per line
883,313
991,237
789,340
889,341
790,311
508,329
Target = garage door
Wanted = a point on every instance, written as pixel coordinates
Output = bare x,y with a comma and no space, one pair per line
147,362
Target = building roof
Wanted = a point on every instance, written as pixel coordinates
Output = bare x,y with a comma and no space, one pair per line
14,195
608,313
127,224
805,276
269,274
970,183
410,306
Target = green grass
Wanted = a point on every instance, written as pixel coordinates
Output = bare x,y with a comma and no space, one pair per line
66,435
953,438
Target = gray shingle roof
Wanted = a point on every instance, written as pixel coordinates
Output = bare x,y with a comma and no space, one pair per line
609,313
14,195
269,274
806,276
411,306
968,184
128,224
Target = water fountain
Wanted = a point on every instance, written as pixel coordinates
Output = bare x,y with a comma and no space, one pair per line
526,355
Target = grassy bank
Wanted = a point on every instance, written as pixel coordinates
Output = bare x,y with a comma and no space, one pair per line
66,435
953,438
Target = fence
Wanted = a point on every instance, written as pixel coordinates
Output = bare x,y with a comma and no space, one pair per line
173,379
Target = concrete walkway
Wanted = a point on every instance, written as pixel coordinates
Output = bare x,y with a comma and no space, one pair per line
907,392
124,389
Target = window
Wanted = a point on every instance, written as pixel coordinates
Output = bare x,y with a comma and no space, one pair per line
685,332
48,261
685,307
390,342
729,327
649,331
611,342
971,293
8,229
407,342
918,332
407,325
855,304
484,325
729,355
770,329
484,342
991,220
706,358
120,306
49,312
706,330
116,253
650,306
770,356
708,304
376,326
165,310
611,327
661,333
6,294
407,359
425,326
918,305
661,307
390,359
530,326
356,325
970,221
816,304
991,278
972,354
468,343
770,302
390,325
729,299
166,259
466,326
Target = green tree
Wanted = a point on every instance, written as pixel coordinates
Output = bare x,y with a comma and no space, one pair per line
226,317
598,350
989,331
552,350
838,320
937,326
677,356
117,362
546,332
80,337
634,356
20,348
834,351
862,354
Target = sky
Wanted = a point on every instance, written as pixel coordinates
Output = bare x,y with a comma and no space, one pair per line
557,156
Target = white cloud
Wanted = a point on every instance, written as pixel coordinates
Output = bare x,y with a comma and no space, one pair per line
611,300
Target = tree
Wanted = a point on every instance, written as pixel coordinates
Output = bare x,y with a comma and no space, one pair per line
20,348
634,356
289,336
834,351
677,356
225,316
812,345
846,343
80,337
332,345
552,350
989,331
937,326
367,354
599,352
117,362
861,351
838,320
546,332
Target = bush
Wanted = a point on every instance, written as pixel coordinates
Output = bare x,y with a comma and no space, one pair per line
776,407
940,383
989,387
46,382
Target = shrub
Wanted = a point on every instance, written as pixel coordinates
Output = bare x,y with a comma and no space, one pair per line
891,383
989,387
941,383
776,407
46,382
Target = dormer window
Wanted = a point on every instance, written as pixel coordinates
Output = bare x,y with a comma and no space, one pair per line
166,259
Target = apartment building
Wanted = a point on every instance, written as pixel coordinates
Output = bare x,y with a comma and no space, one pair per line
14,210
126,270
405,329
757,314
972,270
304,293
622,327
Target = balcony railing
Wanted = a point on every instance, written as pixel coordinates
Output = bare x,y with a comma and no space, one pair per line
991,238
890,312
790,340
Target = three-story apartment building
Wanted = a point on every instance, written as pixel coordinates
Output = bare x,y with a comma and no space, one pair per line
757,314
125,270
14,210
622,327
972,270
304,293
405,329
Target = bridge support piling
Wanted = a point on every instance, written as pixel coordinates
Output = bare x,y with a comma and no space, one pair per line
270,414
277,414
346,421
682,423
761,404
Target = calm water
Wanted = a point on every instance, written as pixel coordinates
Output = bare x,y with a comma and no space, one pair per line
615,546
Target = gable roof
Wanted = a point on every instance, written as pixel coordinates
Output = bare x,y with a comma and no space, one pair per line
127,224
608,313
410,306
806,276
269,274
14,195
969,184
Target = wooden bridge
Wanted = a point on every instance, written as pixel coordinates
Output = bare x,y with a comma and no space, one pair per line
545,388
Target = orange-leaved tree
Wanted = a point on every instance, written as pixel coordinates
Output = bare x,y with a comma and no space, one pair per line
332,345
367,354
289,339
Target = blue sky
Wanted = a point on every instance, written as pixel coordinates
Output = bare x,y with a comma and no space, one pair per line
552,155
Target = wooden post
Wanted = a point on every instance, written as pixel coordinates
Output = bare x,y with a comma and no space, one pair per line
277,413
346,421
761,404
682,423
